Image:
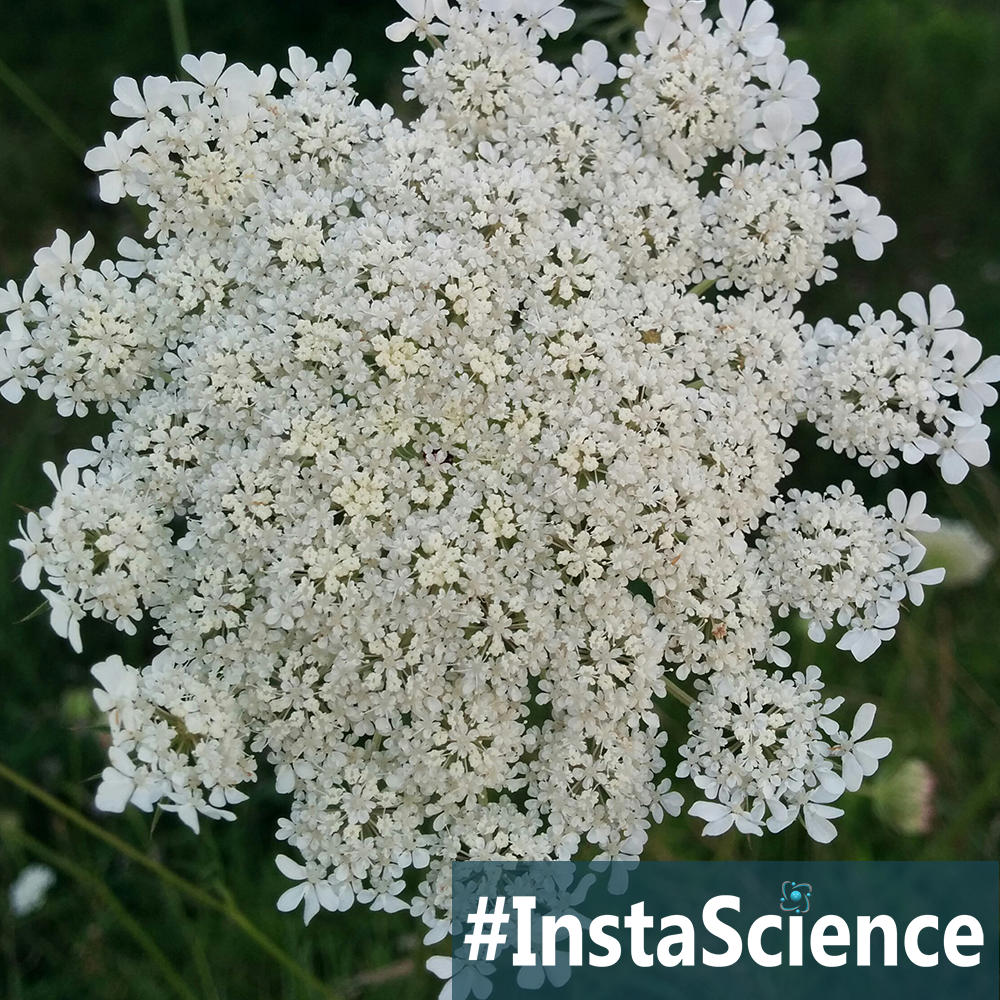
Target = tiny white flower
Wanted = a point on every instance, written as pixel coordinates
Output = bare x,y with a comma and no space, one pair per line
425,17
12,297
112,162
813,806
846,161
65,618
123,782
859,757
189,803
791,87
868,633
868,228
910,514
463,978
618,867
721,816
205,69
61,260
545,17
338,69
782,133
220,797
286,774
750,26
137,257
28,891
936,316
31,545
301,68
389,902
972,385
963,447
157,93
120,684
314,891
920,448
593,66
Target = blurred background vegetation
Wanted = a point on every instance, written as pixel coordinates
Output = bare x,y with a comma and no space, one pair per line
918,81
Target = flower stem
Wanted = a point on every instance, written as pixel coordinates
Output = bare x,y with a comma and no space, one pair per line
227,906
41,111
178,28
678,692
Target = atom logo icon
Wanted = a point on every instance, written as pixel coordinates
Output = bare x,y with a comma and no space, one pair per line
795,897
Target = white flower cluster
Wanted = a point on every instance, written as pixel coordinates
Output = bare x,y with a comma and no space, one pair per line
832,559
758,745
883,389
179,741
433,461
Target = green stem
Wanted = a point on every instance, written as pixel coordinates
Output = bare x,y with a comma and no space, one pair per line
195,947
41,111
178,28
703,287
226,907
111,901
678,692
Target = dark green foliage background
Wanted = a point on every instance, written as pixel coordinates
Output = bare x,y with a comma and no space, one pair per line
918,81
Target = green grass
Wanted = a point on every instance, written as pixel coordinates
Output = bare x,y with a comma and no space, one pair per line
918,81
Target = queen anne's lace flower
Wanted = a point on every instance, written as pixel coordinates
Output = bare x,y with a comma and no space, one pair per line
860,757
434,456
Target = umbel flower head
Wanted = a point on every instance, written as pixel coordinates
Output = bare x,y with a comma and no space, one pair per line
437,450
